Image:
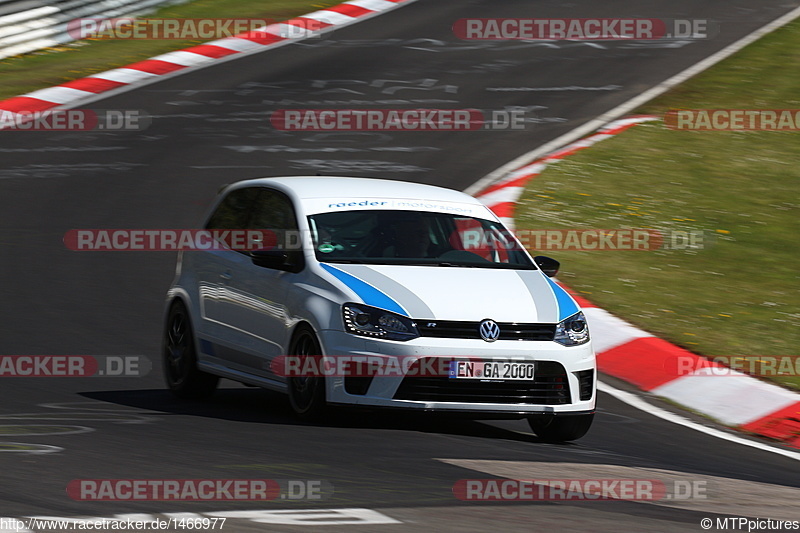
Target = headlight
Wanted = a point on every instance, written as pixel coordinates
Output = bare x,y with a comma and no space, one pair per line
572,331
377,323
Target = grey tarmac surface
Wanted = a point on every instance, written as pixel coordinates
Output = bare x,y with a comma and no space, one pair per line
211,127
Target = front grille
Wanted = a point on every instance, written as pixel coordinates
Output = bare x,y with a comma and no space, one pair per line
509,331
549,387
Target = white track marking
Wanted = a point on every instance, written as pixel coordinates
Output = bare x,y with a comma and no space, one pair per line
6,430
312,517
635,401
28,448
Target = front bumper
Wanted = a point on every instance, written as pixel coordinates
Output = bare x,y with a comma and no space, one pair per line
565,380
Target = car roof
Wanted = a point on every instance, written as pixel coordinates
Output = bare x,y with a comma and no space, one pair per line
308,187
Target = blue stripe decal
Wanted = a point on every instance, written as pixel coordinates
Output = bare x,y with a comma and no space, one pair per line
566,305
368,294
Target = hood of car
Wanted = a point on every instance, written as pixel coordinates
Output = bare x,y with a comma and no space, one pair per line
456,293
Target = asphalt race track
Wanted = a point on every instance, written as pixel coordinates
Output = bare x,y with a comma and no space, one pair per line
211,127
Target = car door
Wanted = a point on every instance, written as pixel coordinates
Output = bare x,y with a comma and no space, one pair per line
261,292
219,308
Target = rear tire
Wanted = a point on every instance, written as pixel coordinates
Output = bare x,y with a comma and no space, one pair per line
306,394
183,377
560,428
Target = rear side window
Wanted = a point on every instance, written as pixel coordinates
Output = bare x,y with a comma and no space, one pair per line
273,214
257,208
234,210
274,211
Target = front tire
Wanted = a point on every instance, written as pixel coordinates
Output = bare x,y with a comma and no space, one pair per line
183,377
306,394
560,428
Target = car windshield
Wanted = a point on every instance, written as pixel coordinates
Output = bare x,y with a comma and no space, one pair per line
389,237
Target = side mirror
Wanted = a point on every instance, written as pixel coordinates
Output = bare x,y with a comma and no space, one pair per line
278,260
548,265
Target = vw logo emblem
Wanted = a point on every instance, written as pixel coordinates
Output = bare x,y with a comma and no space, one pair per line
489,330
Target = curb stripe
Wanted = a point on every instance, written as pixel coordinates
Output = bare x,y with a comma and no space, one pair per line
373,5
656,362
210,50
74,91
25,103
234,43
261,37
123,75
302,22
783,424
733,400
183,58
154,66
350,10
650,363
57,95
329,16
614,331
93,85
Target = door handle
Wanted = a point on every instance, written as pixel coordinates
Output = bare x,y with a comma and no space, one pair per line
226,275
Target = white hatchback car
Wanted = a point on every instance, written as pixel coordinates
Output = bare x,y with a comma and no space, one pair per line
425,281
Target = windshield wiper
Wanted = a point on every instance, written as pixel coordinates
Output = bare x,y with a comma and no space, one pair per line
449,264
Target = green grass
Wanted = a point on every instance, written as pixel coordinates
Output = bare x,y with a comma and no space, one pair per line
53,66
740,293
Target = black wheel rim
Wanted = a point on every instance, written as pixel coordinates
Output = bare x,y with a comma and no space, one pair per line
177,348
304,388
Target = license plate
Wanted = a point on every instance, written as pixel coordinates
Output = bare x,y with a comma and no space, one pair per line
492,370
